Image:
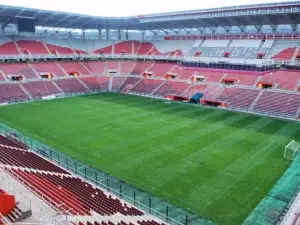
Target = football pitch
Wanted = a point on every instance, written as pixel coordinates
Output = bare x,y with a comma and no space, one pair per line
218,164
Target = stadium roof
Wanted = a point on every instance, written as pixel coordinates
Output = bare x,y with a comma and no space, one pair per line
259,14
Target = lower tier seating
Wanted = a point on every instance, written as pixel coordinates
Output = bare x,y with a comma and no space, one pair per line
96,83
161,69
71,85
129,81
143,222
14,157
117,82
73,193
8,142
127,67
193,89
172,87
96,67
49,67
19,69
278,104
146,86
40,88
141,67
212,93
211,76
11,92
238,97
242,79
71,67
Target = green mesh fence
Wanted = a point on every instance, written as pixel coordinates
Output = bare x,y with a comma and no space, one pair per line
279,197
145,201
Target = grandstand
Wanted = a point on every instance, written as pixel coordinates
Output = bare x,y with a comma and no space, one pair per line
241,59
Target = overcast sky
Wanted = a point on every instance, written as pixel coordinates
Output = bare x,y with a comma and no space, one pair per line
126,7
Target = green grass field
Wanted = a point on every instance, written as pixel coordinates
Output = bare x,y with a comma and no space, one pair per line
219,164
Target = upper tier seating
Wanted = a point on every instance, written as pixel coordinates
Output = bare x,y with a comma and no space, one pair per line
49,67
172,87
22,158
130,81
285,54
117,82
242,78
2,77
278,104
33,47
245,44
7,46
241,52
124,47
71,85
112,65
182,73
215,43
18,69
238,97
59,46
286,80
161,69
82,45
178,47
74,67
96,67
101,46
96,83
11,92
268,44
211,75
136,46
141,67
40,88
146,86
283,50
145,48
127,67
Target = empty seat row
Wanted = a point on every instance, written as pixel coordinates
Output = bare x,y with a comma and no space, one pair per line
26,159
77,195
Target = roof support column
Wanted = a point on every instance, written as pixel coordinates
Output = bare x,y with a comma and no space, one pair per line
83,34
274,28
155,34
213,29
258,28
100,34
242,29
119,34
143,35
200,29
107,34
127,36
227,29
294,27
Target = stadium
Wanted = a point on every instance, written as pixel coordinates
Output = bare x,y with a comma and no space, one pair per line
175,118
